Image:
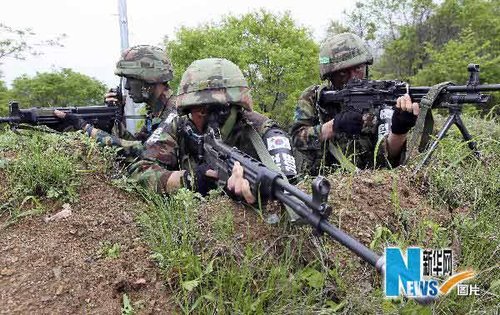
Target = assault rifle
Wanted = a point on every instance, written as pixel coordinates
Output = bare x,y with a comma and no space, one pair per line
104,117
270,184
363,95
314,209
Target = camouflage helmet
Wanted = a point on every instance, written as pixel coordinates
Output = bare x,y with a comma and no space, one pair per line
213,81
144,62
342,51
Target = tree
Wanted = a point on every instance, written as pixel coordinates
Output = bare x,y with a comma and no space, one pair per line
16,43
4,99
449,63
278,58
58,88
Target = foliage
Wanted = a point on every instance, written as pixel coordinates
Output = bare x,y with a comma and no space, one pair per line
127,308
278,58
4,99
469,188
40,166
213,273
17,43
449,63
59,88
109,251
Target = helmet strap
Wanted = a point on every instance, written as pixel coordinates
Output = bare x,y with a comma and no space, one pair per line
229,123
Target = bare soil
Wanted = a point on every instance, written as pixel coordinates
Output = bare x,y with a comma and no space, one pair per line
59,267
56,267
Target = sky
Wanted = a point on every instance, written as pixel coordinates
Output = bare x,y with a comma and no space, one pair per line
92,43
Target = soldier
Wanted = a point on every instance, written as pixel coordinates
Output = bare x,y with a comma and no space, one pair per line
212,94
348,138
148,71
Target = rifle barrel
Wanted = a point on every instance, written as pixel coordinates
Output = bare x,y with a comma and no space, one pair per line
9,119
459,88
323,225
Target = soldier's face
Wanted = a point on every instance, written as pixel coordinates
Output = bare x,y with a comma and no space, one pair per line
340,78
199,116
138,90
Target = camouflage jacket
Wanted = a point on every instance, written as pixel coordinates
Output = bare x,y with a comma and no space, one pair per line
311,153
131,145
168,150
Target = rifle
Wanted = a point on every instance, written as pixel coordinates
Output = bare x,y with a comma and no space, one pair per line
314,209
270,184
103,117
363,95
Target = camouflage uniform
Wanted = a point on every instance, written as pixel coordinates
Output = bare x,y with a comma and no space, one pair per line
168,149
337,53
148,64
207,82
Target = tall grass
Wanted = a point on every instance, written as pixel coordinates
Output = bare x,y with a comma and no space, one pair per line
220,276
470,189
40,166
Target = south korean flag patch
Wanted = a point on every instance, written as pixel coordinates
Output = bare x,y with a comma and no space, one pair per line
278,142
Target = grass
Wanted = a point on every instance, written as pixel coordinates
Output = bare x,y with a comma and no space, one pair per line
301,274
109,251
209,269
41,167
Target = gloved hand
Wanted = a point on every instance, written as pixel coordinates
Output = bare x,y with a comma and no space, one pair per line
70,118
405,115
402,121
75,121
203,181
349,121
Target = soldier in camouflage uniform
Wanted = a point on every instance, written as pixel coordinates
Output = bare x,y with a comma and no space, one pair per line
147,70
347,138
212,94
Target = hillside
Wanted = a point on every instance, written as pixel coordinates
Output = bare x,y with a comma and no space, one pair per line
186,255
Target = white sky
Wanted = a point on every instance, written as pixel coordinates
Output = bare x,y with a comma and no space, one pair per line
92,45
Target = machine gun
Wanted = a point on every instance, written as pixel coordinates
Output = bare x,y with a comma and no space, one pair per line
103,117
363,95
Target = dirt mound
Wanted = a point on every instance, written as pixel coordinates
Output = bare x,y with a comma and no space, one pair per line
69,266
370,199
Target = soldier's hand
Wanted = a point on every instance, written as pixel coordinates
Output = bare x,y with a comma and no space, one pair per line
349,122
111,97
205,179
71,118
239,185
327,130
59,114
405,115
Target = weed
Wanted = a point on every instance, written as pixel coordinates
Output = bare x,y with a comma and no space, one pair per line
109,251
127,308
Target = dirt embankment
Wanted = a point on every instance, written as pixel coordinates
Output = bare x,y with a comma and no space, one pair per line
62,266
